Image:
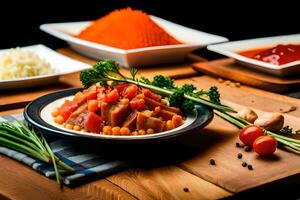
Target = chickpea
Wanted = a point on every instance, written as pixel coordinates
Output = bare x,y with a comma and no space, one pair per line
69,126
169,125
134,133
157,109
177,120
107,130
125,131
76,128
55,112
164,101
150,131
141,132
59,119
115,130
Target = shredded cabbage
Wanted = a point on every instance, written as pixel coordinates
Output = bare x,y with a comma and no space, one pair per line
18,63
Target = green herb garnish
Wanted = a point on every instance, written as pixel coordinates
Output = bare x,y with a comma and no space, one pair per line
19,136
108,71
289,131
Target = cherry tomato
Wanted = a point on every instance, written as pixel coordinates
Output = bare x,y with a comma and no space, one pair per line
249,133
130,92
265,145
112,97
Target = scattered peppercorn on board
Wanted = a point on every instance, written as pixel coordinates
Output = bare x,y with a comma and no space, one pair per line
229,69
192,178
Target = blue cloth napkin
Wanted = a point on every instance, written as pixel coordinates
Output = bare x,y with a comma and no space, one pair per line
87,165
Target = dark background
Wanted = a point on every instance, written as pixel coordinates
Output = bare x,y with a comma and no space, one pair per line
243,19
236,20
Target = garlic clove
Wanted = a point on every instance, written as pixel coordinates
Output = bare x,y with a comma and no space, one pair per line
247,114
271,122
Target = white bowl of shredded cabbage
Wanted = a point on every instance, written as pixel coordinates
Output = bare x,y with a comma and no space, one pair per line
20,63
34,66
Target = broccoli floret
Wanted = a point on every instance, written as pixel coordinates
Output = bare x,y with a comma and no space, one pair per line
177,98
89,77
106,66
188,88
163,82
214,95
187,106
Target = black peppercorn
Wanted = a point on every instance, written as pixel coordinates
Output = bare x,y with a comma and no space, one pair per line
247,148
237,144
250,167
186,189
239,155
212,162
244,164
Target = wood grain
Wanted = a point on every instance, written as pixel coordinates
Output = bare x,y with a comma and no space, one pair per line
229,69
166,183
20,182
218,140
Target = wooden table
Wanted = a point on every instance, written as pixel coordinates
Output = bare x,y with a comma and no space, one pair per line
174,181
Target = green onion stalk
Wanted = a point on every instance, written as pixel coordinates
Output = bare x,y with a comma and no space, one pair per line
286,142
19,136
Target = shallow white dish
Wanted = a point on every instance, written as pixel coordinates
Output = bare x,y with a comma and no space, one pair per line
48,118
231,49
62,65
191,38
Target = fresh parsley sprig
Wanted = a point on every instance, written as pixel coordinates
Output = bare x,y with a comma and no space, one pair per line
186,96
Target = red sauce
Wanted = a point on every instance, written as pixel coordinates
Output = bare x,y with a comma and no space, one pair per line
279,55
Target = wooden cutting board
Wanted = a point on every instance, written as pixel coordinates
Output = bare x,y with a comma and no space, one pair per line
217,141
229,69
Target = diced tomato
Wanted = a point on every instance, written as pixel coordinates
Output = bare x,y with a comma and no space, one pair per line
91,95
112,97
79,98
137,104
93,105
151,95
121,87
94,123
67,108
130,92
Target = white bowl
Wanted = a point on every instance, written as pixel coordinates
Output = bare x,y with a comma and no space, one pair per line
62,65
231,49
191,39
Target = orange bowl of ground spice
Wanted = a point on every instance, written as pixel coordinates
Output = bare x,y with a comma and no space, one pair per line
132,38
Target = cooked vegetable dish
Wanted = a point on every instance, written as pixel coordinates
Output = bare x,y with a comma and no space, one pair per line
123,109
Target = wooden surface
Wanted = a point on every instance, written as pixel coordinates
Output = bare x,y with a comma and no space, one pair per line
229,69
192,173
219,138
